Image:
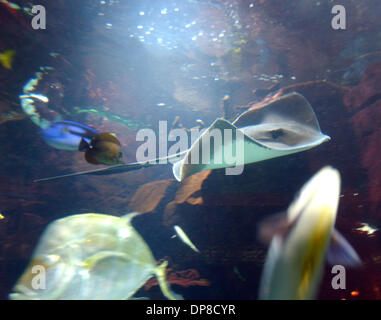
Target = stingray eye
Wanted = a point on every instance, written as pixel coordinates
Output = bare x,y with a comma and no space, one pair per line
277,133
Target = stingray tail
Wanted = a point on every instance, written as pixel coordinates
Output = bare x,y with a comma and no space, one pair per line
120,168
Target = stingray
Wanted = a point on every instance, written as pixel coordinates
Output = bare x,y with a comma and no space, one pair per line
280,127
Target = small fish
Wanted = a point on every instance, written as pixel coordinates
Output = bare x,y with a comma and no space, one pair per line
239,275
10,5
369,230
6,58
67,135
1,216
185,238
201,123
104,148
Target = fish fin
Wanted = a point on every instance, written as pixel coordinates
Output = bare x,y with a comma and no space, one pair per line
89,157
163,283
83,145
273,254
341,252
95,258
176,170
106,136
129,216
6,58
276,224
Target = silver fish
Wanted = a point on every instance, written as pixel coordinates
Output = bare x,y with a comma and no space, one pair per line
90,256
184,238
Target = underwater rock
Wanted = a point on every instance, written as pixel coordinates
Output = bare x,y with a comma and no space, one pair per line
219,212
364,102
149,196
186,193
368,88
253,254
9,113
362,43
21,229
353,73
192,97
185,278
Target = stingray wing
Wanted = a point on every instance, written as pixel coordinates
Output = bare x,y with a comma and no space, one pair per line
222,145
287,122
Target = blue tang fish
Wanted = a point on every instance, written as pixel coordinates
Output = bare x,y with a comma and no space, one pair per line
68,135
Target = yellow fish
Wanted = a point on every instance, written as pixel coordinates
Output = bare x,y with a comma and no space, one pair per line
295,260
6,58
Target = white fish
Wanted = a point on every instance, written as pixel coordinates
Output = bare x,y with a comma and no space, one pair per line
200,122
295,259
185,238
369,230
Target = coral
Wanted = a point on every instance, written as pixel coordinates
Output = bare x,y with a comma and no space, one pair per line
10,112
149,195
184,278
364,102
187,193
367,90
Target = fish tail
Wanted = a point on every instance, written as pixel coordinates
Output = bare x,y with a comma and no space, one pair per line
164,285
129,216
195,249
6,58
